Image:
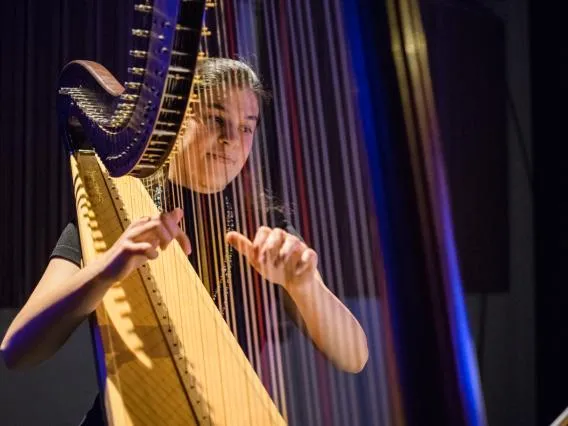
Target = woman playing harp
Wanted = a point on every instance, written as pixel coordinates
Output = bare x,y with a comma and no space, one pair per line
216,146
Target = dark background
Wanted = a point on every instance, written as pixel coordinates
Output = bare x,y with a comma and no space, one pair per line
513,231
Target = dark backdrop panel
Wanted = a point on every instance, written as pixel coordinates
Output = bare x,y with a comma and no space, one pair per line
549,67
57,392
466,44
36,39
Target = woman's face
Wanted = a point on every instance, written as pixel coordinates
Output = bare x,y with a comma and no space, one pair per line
217,142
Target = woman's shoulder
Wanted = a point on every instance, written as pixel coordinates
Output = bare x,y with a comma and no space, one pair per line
68,245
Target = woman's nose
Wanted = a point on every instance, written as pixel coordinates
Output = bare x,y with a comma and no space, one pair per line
229,136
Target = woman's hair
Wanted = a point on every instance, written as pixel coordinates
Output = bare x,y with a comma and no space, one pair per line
216,74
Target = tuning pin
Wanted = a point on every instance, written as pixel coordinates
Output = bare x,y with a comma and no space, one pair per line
178,53
128,97
138,53
132,84
136,70
176,77
166,123
146,8
182,28
140,33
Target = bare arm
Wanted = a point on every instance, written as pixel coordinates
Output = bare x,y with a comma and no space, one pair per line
66,295
330,324
284,259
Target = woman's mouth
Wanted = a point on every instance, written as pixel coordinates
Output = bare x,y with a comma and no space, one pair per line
221,158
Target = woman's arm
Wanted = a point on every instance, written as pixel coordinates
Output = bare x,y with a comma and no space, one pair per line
66,295
284,259
330,324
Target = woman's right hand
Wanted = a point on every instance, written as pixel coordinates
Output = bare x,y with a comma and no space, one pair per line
140,242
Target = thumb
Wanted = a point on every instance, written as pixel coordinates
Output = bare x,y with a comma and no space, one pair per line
177,214
241,243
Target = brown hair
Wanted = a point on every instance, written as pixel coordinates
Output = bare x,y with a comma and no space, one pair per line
214,73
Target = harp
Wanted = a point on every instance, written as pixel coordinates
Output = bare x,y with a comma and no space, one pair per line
166,355
146,369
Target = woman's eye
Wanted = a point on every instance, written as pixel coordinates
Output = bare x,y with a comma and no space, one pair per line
246,129
220,121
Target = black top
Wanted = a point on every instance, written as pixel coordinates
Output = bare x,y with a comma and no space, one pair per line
206,208
68,246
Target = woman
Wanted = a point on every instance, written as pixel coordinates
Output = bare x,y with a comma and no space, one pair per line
216,145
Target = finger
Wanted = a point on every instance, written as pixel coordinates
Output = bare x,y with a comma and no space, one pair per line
145,224
163,234
272,245
259,239
153,229
292,261
184,242
143,228
155,242
152,254
143,248
308,260
174,216
241,243
289,245
140,221
171,222
139,247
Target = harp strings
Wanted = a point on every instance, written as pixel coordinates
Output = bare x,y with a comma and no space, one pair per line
266,210
364,282
306,180
245,195
302,122
320,191
301,191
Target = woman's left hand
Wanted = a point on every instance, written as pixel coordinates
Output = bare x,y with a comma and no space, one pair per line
277,255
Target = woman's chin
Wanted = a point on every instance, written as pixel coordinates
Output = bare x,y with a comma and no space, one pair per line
208,187
204,186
